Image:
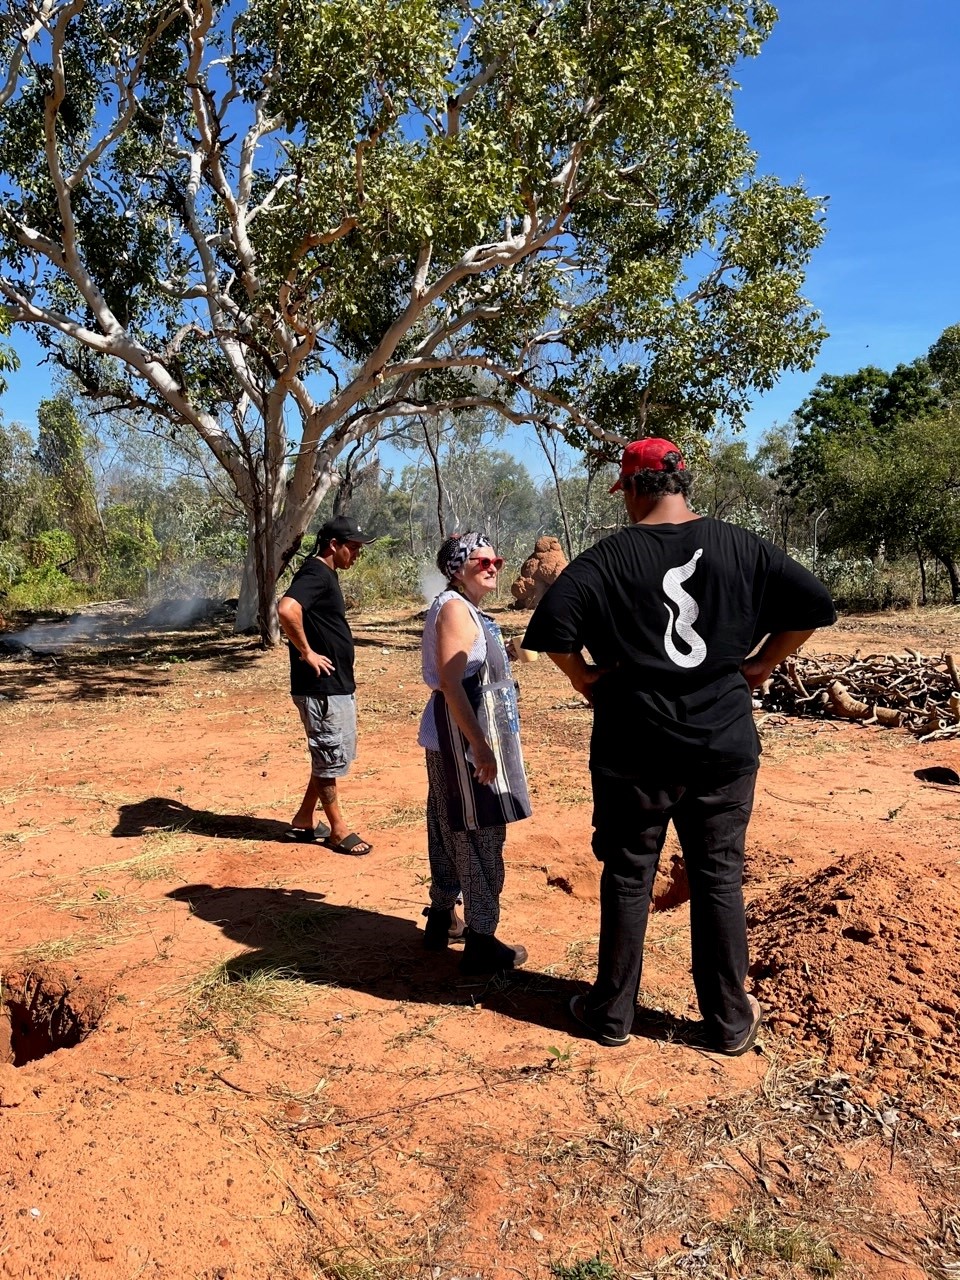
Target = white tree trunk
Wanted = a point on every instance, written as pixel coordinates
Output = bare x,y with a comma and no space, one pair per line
287,532
246,619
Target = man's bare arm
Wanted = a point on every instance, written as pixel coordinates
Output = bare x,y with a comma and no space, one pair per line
775,648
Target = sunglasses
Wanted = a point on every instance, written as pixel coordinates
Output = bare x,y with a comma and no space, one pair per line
488,562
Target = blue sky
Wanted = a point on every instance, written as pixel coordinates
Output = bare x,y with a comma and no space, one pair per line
859,99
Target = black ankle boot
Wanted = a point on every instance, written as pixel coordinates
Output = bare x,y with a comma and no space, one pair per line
436,932
485,953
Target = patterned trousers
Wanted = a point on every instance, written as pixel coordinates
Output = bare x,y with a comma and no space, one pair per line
467,862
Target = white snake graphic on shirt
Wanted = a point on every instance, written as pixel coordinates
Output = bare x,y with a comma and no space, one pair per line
686,615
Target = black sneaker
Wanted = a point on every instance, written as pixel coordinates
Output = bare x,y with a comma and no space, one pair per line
749,1038
700,1039
579,1013
485,953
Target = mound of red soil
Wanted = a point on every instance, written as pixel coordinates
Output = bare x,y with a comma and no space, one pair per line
539,571
862,962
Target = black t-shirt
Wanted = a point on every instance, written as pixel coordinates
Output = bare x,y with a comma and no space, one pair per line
672,610
316,588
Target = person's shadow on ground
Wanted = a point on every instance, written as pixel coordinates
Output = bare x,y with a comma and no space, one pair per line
159,813
298,934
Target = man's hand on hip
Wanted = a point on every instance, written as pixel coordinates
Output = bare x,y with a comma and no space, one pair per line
756,672
584,681
318,663
581,674
759,668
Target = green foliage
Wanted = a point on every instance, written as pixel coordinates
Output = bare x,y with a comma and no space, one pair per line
903,495
589,1269
879,453
41,580
26,496
752,1236
132,550
944,361
546,210
9,360
862,410
861,585
62,447
384,574
733,484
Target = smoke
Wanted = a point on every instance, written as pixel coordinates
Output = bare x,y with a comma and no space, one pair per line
102,628
51,637
180,612
432,582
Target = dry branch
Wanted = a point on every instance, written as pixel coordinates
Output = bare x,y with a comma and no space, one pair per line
896,690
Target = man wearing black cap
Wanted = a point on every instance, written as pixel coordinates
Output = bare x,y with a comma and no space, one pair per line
669,609
314,620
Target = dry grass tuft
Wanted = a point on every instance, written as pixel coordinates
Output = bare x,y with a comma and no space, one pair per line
236,993
274,979
155,862
53,949
380,1268
409,816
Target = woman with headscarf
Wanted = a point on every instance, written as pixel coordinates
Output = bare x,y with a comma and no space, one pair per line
471,733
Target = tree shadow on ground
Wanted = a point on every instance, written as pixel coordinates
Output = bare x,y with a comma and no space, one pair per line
298,934
160,813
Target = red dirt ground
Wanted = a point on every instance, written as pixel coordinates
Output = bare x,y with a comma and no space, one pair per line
335,1103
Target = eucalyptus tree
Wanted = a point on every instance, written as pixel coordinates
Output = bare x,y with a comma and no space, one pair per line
279,224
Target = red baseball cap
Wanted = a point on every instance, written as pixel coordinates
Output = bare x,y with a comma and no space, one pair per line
646,455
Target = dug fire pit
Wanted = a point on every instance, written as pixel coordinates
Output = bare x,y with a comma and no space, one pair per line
42,1010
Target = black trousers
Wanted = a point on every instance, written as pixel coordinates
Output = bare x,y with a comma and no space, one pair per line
630,821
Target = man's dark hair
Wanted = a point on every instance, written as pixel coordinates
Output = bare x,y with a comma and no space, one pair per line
654,484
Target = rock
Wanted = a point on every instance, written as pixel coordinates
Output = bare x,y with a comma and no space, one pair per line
539,571
787,1018
13,1091
860,928
924,1026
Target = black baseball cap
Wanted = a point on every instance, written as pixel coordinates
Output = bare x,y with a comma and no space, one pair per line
342,529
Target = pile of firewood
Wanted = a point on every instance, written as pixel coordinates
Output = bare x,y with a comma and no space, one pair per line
921,694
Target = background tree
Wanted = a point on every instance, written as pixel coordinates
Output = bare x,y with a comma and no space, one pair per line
850,411
280,225
902,495
62,447
744,487
879,452
9,361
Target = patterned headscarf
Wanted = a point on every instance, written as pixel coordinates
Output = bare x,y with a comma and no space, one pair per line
456,551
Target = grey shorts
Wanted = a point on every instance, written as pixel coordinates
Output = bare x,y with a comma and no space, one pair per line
331,727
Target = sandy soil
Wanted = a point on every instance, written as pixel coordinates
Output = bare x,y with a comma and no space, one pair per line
264,1075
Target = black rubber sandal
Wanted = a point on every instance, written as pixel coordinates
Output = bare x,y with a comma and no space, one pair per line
353,845
307,835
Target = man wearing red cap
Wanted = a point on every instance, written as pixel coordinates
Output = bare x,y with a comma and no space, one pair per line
669,609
